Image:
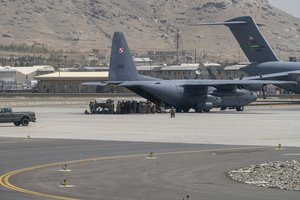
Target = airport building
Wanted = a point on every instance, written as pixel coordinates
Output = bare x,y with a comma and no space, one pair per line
21,78
69,82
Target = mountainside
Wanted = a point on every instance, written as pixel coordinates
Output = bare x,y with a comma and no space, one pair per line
148,24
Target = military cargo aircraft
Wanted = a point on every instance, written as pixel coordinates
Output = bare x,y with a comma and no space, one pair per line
201,95
265,65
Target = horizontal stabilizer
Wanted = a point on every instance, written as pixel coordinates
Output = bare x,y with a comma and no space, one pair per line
274,75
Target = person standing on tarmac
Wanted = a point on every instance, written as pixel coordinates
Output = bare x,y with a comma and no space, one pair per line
172,111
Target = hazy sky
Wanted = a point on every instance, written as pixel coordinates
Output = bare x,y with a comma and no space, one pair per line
290,6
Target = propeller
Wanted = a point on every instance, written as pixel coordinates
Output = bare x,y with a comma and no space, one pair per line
211,73
198,72
242,76
263,89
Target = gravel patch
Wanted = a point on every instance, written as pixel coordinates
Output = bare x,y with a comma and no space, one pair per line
283,175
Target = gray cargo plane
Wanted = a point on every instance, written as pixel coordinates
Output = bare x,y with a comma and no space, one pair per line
265,65
202,95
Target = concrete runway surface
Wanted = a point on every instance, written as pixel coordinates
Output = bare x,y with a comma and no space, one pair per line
257,125
194,152
122,170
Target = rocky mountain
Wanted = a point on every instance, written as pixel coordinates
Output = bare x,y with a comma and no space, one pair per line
148,25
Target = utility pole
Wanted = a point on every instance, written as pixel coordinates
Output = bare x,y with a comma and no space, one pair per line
195,53
178,39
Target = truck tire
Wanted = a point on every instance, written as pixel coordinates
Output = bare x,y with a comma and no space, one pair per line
25,121
17,123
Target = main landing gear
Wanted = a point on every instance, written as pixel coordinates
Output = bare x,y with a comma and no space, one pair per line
238,108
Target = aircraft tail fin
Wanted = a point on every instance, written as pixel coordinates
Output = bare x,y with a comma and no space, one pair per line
122,67
250,38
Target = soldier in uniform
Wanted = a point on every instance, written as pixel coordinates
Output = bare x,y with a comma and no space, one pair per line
91,105
172,112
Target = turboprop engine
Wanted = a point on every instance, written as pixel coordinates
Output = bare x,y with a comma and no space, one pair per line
236,99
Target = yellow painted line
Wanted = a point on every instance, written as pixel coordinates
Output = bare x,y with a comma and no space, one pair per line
4,179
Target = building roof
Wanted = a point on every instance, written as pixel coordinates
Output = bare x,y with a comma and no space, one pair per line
28,70
142,59
179,68
74,76
96,68
211,65
234,67
7,69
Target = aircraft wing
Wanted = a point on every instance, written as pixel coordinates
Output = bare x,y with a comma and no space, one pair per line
141,83
274,75
104,83
122,83
210,82
231,84
219,84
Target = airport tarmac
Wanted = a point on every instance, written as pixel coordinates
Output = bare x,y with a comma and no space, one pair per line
257,125
109,156
31,169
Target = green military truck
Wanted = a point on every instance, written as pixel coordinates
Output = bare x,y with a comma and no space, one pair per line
18,118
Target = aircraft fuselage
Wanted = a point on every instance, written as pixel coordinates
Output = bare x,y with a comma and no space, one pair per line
184,98
257,69
271,67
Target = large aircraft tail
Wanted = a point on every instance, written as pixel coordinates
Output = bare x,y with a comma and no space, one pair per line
122,67
250,38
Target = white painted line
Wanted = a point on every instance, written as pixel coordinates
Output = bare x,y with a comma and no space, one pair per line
150,158
66,186
241,171
256,182
65,170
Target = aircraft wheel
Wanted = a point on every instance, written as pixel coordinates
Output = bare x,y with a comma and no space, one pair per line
186,110
240,108
206,110
25,121
17,123
223,108
198,110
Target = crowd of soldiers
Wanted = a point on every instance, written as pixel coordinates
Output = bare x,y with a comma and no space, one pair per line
123,107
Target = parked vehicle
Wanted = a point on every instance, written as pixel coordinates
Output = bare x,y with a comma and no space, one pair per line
18,118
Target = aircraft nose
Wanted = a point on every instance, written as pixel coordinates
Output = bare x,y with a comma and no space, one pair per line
251,97
254,96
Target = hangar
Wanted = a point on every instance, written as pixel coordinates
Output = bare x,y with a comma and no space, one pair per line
16,78
69,82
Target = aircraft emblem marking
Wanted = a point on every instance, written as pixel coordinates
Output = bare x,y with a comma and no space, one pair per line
121,50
